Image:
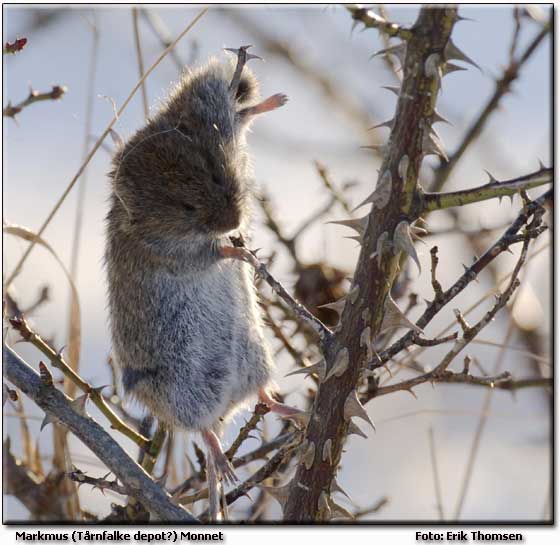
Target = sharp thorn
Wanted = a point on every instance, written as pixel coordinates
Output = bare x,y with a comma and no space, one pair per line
403,241
359,225
388,124
353,407
449,68
392,88
46,421
453,52
353,429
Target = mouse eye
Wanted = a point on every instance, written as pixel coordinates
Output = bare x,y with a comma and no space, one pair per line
188,207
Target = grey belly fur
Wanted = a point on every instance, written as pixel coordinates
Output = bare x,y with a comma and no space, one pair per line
190,348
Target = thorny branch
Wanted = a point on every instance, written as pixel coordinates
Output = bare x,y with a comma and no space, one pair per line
245,432
370,19
310,491
336,401
263,473
101,483
503,86
57,359
493,189
535,208
241,461
299,310
59,408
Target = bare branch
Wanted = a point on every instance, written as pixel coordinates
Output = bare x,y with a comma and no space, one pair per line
55,93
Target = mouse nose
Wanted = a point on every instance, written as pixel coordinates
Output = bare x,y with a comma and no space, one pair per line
226,218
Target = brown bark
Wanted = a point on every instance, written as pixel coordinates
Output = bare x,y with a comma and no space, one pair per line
309,498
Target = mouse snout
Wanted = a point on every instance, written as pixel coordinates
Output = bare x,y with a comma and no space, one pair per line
228,219
227,213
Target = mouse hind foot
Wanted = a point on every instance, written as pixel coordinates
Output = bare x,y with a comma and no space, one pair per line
221,465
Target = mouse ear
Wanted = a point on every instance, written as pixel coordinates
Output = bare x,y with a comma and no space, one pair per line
248,88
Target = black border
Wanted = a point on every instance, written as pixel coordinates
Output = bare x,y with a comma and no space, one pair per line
412,523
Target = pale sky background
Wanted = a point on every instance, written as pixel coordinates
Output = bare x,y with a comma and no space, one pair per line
43,151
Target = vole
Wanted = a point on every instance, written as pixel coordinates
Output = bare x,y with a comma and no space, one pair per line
187,334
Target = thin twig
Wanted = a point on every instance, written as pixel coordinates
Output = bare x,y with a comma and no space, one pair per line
162,34
138,46
256,454
73,327
101,483
435,473
55,93
244,433
299,310
508,238
503,86
439,372
375,508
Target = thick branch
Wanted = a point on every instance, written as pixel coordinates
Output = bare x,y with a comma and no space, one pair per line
58,361
57,406
364,311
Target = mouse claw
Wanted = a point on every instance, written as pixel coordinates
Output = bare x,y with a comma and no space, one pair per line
223,468
227,473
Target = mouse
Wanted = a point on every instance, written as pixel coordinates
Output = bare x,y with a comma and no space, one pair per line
186,328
